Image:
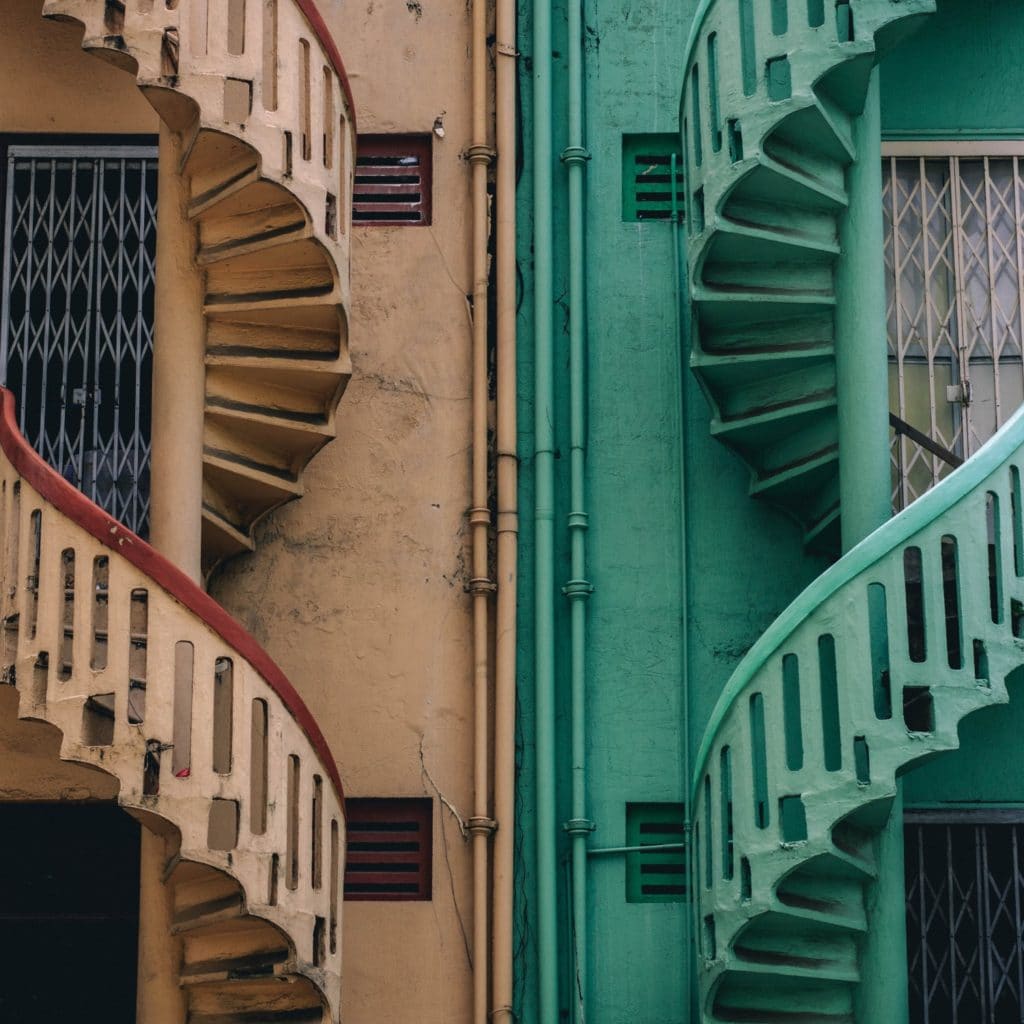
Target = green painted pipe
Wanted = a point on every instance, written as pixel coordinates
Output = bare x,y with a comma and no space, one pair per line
544,547
682,343
578,589
866,503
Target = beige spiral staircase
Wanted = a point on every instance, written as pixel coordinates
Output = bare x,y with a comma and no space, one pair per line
259,94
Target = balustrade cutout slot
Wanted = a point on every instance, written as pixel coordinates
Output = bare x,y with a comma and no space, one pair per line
98,720
305,101
918,709
791,713
67,614
735,140
40,678
748,47
184,668
780,17
709,836
746,882
714,114
710,946
815,13
291,878
328,115
32,583
223,714
792,819
319,944
951,602
1018,526
878,630
759,760
237,100
830,725
151,768
275,868
980,662
779,78
698,140
258,751
914,587
222,825
236,27
1017,618
725,810
100,612
316,866
862,760
269,80
995,557
335,867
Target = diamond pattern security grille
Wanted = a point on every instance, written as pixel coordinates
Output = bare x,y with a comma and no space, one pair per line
389,849
954,271
965,927
77,321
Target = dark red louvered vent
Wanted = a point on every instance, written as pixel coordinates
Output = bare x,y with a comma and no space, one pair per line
393,180
389,848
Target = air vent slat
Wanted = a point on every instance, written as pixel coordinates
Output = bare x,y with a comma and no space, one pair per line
647,180
389,846
392,180
658,876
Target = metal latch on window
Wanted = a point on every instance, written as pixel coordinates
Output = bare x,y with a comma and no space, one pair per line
79,396
959,393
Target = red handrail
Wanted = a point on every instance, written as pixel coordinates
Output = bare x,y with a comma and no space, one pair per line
109,532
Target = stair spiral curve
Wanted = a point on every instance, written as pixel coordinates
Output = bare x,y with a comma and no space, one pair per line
771,94
869,671
150,681
259,94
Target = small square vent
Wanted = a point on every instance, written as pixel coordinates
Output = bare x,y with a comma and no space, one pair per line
389,849
393,180
647,177
658,876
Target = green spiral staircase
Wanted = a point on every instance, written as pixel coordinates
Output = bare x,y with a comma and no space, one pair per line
772,90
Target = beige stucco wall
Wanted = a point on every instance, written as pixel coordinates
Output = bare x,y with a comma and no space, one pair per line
358,588
48,84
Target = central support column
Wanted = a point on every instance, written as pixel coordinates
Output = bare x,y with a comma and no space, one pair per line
176,496
179,373
866,503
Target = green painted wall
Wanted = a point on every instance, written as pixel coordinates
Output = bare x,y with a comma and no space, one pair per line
746,561
956,76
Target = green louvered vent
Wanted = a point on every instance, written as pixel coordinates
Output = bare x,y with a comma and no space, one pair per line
656,877
647,176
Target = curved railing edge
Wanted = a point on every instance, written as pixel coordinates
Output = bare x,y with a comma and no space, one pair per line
316,22
108,531
870,550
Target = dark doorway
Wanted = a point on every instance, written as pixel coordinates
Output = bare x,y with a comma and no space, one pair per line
965,918
69,913
76,321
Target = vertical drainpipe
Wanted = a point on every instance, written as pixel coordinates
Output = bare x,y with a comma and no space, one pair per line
481,825
864,491
682,354
544,547
578,588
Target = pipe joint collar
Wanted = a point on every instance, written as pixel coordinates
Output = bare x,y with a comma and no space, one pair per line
577,520
481,585
575,155
479,826
479,516
480,155
579,590
579,826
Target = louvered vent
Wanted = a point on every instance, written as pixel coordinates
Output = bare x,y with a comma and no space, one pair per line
647,177
393,180
658,876
389,849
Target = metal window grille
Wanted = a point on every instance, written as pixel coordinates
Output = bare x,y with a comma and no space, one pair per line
389,849
954,268
965,927
76,328
647,177
656,877
393,180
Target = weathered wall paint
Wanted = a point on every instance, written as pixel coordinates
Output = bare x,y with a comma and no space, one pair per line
956,76
358,588
746,561
49,84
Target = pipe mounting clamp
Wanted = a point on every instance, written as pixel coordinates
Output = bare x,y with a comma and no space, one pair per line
481,826
575,155
480,154
579,826
481,585
578,588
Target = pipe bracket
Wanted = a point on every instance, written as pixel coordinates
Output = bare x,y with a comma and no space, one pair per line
479,826
479,516
481,585
575,155
480,155
578,589
577,520
579,826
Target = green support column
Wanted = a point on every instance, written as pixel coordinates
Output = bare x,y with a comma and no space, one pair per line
864,491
